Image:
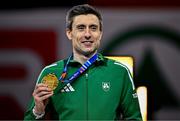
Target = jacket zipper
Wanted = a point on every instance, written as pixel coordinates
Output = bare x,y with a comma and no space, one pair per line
87,96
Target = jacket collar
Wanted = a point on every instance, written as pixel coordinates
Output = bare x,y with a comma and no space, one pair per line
100,60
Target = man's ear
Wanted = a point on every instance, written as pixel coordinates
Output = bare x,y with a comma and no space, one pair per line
68,34
100,36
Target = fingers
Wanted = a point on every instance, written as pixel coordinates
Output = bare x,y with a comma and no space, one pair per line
42,92
41,87
46,96
42,98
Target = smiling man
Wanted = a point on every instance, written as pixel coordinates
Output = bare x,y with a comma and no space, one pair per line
86,85
85,35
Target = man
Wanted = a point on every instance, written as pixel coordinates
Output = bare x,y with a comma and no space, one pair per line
90,86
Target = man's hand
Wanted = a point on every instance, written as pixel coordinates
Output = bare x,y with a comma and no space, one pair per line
41,94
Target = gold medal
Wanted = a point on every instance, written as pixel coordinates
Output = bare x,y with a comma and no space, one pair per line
51,81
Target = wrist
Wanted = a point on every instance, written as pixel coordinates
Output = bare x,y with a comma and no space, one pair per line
38,115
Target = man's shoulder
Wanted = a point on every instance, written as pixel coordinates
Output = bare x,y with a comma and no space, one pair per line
116,64
57,64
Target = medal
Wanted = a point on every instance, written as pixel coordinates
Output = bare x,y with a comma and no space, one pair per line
51,81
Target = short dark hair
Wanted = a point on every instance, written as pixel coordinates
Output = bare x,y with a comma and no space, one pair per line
83,9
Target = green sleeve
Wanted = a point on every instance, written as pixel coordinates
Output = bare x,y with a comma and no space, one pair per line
29,114
129,101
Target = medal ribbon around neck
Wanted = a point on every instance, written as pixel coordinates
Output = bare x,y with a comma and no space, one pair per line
83,68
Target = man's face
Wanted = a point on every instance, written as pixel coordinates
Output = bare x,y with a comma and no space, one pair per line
85,34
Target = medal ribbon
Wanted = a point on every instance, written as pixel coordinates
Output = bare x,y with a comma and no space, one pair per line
83,68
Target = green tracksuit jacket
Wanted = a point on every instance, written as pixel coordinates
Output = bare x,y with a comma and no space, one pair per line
105,91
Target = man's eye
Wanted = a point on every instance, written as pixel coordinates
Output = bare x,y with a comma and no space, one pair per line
80,28
93,28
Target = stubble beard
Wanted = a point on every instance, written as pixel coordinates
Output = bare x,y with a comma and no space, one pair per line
86,53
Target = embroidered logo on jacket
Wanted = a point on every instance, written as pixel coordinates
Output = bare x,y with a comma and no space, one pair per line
106,86
68,88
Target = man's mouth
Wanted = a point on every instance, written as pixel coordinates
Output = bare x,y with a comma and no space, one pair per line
87,41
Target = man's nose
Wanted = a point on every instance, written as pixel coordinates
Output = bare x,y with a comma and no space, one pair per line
87,34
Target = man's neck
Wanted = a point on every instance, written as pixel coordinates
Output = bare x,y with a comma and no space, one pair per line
82,58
